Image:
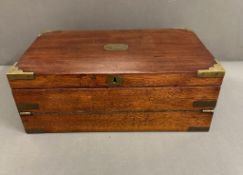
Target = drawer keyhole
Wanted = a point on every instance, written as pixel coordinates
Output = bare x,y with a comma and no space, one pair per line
114,80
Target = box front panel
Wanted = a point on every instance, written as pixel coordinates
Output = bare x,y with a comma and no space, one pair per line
116,109
127,80
116,99
121,121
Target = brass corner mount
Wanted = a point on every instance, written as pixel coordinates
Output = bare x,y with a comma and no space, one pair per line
216,71
184,28
14,73
47,31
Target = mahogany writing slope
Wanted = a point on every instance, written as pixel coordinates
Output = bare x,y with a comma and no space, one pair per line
116,80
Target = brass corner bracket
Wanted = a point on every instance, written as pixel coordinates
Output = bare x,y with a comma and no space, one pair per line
215,71
184,28
48,31
14,73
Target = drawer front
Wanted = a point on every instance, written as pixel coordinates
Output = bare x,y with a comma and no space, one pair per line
116,99
123,121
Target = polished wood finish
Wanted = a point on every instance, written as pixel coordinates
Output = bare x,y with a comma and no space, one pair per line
159,88
150,51
122,121
115,99
128,80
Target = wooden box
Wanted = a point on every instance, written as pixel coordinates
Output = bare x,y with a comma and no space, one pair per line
116,80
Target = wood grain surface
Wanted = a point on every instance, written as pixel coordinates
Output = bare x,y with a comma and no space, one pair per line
128,80
149,51
125,121
115,99
158,87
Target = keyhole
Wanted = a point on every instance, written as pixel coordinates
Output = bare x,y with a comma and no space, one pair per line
114,80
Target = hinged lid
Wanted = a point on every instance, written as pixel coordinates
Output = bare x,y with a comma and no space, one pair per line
98,56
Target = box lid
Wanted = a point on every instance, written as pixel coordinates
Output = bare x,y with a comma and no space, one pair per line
149,51
117,52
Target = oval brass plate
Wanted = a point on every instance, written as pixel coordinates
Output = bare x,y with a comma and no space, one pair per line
115,47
